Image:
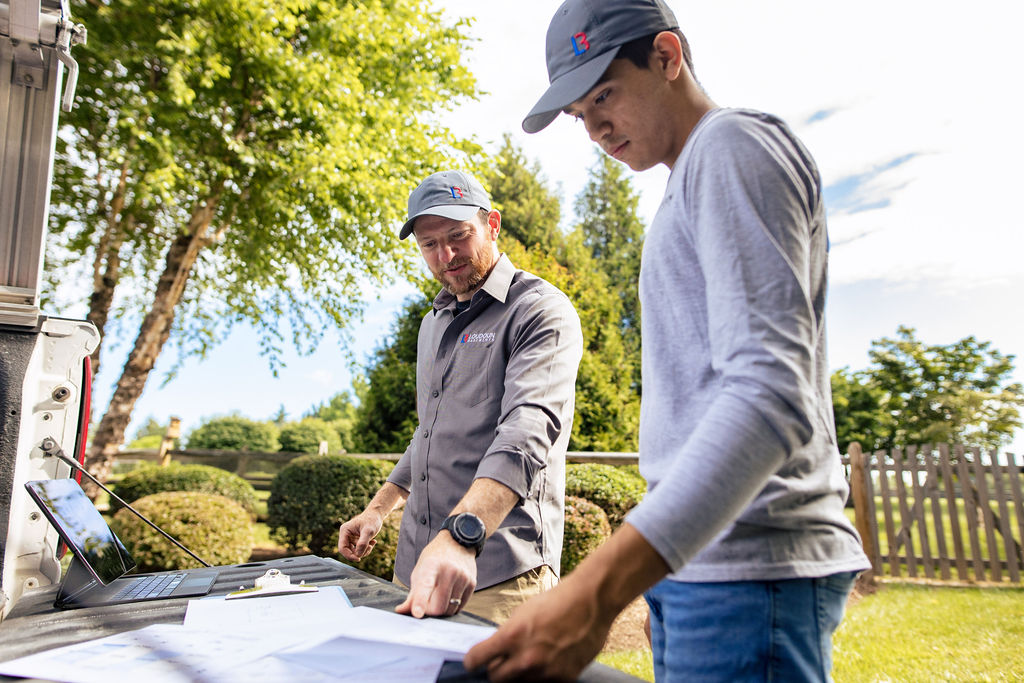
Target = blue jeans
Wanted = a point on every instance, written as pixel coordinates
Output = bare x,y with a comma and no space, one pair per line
746,630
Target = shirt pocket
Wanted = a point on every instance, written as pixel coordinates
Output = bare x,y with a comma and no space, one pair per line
470,377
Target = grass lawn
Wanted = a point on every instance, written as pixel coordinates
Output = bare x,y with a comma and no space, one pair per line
914,633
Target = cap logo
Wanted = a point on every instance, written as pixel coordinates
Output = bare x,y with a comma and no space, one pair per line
580,44
456,192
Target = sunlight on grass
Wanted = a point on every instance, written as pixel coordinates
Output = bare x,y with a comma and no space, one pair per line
915,633
634,662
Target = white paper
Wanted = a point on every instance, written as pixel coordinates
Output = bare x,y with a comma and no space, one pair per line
162,652
285,637
346,659
450,637
298,610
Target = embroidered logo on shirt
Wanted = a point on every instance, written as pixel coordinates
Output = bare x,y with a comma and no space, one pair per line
477,337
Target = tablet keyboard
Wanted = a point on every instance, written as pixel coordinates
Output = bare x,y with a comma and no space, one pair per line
158,586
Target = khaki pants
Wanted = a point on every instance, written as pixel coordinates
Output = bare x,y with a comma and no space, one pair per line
497,602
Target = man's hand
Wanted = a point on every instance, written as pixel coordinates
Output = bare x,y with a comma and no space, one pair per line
357,536
550,637
442,580
555,635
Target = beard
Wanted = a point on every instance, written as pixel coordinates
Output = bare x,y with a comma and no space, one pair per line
480,265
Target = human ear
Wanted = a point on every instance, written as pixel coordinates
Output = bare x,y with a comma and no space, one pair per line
667,55
494,223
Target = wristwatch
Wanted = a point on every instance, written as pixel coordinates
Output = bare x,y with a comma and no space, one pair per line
467,529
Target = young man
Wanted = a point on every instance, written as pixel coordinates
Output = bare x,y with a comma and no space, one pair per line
741,542
495,386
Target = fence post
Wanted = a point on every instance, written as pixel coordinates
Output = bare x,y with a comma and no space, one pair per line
861,506
172,433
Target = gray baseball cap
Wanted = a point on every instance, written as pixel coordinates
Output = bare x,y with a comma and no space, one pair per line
583,38
451,194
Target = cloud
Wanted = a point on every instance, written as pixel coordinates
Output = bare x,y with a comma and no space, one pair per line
864,191
322,377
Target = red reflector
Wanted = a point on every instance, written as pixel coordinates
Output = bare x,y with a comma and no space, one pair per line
83,416
84,408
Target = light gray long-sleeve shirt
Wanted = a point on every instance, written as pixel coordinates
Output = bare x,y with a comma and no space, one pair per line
737,439
495,390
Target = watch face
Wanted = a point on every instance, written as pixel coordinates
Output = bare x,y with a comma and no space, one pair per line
469,527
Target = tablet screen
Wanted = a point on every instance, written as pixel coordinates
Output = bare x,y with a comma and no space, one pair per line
81,527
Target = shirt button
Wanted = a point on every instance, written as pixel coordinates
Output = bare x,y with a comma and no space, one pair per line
423,477
423,520
436,393
426,433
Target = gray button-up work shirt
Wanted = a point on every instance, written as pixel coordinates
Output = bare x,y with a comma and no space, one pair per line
495,388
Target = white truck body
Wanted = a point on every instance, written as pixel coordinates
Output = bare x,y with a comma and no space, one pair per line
44,373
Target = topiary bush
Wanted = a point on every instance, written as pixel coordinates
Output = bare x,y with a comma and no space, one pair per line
215,528
148,442
616,489
305,436
234,433
586,527
314,494
150,479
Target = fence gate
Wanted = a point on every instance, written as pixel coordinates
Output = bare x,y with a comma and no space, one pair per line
940,513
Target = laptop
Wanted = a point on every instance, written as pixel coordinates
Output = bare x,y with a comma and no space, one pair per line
100,562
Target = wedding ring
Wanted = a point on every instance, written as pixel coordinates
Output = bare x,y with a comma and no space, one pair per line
455,602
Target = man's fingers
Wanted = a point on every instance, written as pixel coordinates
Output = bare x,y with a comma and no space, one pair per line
484,653
366,541
417,602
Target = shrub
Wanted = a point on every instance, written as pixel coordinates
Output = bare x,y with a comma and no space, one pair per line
151,441
586,527
314,494
234,433
215,528
305,436
616,489
150,479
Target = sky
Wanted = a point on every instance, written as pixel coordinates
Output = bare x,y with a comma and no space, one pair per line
906,107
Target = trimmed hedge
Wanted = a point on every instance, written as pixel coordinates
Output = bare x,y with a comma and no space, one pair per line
150,479
234,433
616,489
314,494
586,527
215,528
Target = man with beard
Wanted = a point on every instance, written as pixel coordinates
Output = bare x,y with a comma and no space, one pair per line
495,385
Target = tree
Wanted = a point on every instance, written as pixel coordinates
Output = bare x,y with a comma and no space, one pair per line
341,413
612,231
859,409
150,428
235,433
386,417
305,436
947,394
915,393
530,210
246,161
280,417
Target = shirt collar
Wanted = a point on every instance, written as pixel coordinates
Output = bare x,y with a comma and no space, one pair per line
497,284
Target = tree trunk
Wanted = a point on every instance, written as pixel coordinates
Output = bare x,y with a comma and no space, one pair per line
106,269
153,334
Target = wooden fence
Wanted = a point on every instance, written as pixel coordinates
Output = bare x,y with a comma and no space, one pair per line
259,468
940,513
